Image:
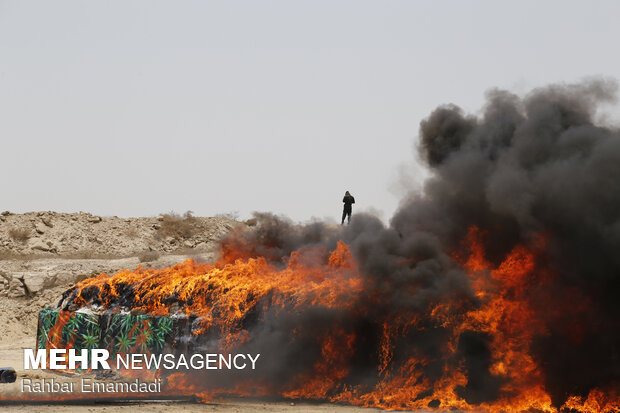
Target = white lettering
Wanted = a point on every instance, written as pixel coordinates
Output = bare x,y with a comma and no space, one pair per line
30,362
136,361
56,358
82,358
182,361
100,357
253,360
120,361
153,361
211,360
235,361
169,361
224,361
27,383
198,366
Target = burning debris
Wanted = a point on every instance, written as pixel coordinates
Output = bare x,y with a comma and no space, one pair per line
495,289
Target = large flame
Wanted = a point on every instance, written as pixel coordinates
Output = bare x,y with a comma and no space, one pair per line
512,306
222,294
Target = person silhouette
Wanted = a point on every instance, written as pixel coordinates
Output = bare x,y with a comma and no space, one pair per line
348,202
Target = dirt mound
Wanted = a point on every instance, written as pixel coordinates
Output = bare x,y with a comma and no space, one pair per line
43,253
83,235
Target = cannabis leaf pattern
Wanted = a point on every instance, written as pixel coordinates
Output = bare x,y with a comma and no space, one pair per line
116,332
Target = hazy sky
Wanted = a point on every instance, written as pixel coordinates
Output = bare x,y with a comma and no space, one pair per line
134,108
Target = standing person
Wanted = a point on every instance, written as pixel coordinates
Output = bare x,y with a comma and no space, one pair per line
348,201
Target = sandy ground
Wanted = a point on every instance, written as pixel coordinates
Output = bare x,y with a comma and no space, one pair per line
60,249
11,354
240,406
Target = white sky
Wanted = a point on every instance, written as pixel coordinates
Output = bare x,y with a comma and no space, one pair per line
133,108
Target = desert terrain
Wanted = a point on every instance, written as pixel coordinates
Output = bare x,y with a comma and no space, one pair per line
43,253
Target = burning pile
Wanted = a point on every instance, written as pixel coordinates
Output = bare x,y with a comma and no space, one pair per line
496,289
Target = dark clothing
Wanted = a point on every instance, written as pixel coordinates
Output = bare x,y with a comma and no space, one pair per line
346,212
348,201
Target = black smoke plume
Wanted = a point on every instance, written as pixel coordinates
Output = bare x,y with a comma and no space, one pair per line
528,165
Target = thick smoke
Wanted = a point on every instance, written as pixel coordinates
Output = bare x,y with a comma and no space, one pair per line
532,165
539,164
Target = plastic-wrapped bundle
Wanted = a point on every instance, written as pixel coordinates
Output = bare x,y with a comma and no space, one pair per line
118,332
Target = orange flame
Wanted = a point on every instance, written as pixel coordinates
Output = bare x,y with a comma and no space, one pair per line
508,312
